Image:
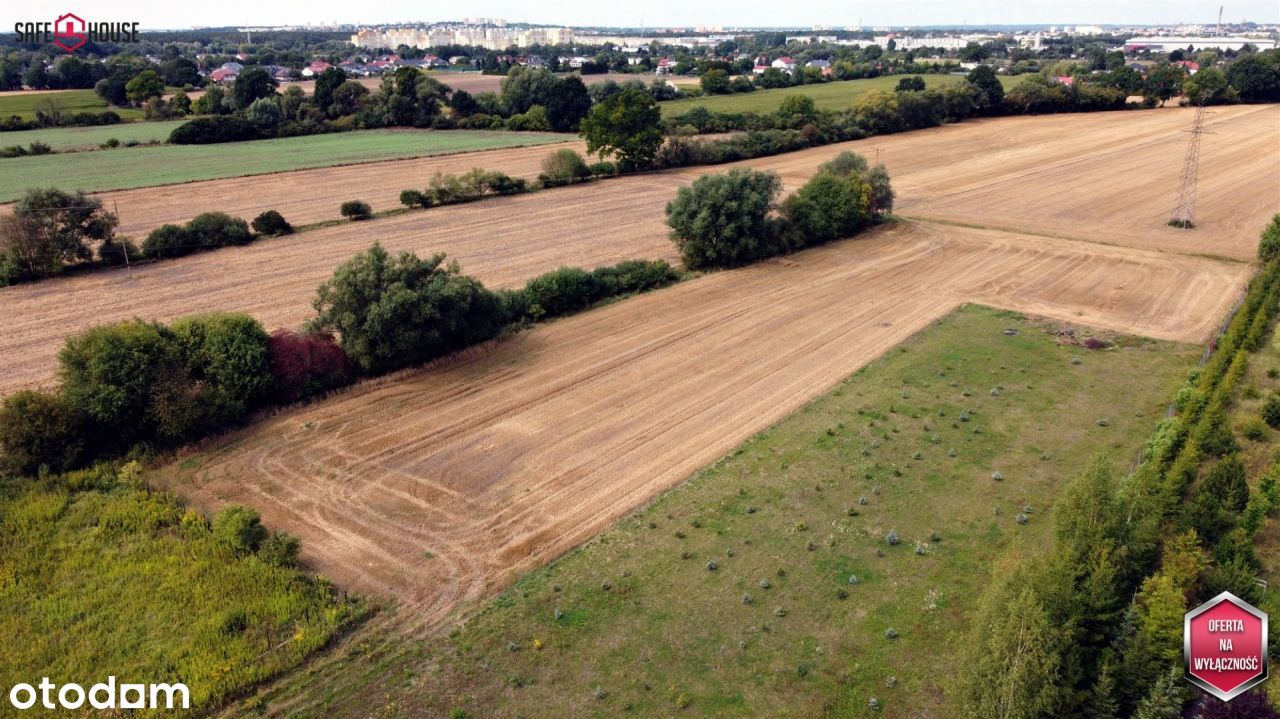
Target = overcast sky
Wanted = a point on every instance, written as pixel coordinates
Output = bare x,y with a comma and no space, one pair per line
156,14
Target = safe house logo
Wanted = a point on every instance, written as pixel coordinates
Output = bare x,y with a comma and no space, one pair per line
70,31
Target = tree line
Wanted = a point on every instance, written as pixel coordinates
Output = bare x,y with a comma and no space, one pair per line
1094,628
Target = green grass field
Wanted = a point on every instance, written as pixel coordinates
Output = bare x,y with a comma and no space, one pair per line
25,104
802,507
829,95
168,164
120,581
63,139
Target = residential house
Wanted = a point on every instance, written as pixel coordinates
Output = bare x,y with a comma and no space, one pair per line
315,68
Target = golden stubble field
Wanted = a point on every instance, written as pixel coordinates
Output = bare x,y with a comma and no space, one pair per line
1069,176
501,459
439,485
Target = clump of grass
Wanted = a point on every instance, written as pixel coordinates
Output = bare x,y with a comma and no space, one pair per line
779,612
746,599
919,549
764,583
1021,518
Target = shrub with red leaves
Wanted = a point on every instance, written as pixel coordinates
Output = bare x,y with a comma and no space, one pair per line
306,365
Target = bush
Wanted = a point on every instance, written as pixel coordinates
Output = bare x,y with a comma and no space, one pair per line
229,356
123,377
394,312
563,291
304,366
1269,245
826,208
168,241
563,167
206,231
603,169
210,130
239,529
40,429
415,198
117,251
356,210
724,220
280,550
631,276
218,229
1271,411
1254,430
271,223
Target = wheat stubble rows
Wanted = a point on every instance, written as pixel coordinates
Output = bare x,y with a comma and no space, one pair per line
439,485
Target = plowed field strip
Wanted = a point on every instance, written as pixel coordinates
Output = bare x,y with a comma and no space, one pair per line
506,458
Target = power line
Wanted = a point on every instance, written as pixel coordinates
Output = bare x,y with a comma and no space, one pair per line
1184,210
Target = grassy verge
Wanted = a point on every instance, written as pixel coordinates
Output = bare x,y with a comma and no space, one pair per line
837,95
63,139
99,576
668,611
25,104
170,164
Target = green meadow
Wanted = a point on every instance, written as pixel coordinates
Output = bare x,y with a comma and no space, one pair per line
765,585
168,164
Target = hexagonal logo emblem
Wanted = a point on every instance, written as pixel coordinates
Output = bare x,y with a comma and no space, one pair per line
1225,646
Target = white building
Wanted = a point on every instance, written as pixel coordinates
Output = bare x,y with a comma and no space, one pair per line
1169,44
491,36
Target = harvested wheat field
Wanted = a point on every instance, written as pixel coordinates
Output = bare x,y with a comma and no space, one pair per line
1107,177
503,241
438,485
1026,173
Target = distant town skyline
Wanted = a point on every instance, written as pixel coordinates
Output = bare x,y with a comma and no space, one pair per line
154,14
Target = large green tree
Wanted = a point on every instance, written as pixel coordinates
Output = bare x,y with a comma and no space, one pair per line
253,83
628,125
983,77
50,229
724,220
144,86
397,311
